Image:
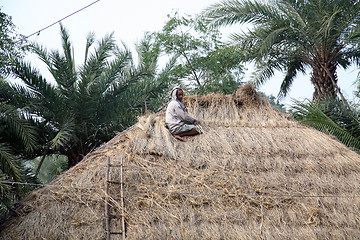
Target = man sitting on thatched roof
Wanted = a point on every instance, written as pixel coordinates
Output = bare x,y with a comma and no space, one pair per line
177,120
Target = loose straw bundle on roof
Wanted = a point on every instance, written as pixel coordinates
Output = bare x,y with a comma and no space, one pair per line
254,173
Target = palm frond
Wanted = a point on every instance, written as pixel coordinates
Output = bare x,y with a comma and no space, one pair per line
233,12
293,68
42,54
67,48
115,70
293,9
64,135
33,80
319,116
272,37
15,94
264,70
97,61
89,42
20,127
148,53
64,73
9,163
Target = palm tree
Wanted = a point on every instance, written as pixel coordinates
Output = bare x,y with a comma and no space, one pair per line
86,105
293,35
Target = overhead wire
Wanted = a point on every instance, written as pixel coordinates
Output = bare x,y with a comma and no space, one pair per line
38,32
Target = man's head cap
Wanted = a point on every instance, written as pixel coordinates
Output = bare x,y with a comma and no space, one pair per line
176,89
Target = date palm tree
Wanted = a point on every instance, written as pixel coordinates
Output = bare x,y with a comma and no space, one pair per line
86,104
293,35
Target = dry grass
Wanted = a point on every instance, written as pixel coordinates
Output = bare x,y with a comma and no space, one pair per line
255,173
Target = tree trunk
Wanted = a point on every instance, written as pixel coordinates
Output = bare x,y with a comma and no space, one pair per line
324,79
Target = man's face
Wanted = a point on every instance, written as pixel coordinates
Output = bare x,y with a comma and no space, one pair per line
180,95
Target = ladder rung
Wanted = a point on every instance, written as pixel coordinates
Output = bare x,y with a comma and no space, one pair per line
115,216
115,165
114,182
116,232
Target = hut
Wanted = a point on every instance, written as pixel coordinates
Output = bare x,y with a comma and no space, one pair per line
254,173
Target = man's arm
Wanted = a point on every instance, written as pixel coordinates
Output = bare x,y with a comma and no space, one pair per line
184,116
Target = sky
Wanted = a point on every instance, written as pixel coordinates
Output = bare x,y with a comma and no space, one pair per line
129,20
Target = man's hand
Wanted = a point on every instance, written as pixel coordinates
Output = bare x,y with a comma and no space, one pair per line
196,122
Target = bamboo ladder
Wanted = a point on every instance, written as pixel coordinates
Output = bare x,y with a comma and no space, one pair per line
109,216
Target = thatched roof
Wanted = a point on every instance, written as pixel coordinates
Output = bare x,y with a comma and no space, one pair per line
255,173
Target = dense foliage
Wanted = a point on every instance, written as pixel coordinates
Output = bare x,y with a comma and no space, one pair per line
17,138
11,44
204,63
17,135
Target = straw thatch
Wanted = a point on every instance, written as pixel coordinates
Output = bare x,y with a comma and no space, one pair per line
254,173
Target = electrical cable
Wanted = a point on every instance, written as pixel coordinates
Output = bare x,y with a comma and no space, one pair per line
38,32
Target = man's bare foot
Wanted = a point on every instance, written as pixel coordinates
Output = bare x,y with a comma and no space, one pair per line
178,137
